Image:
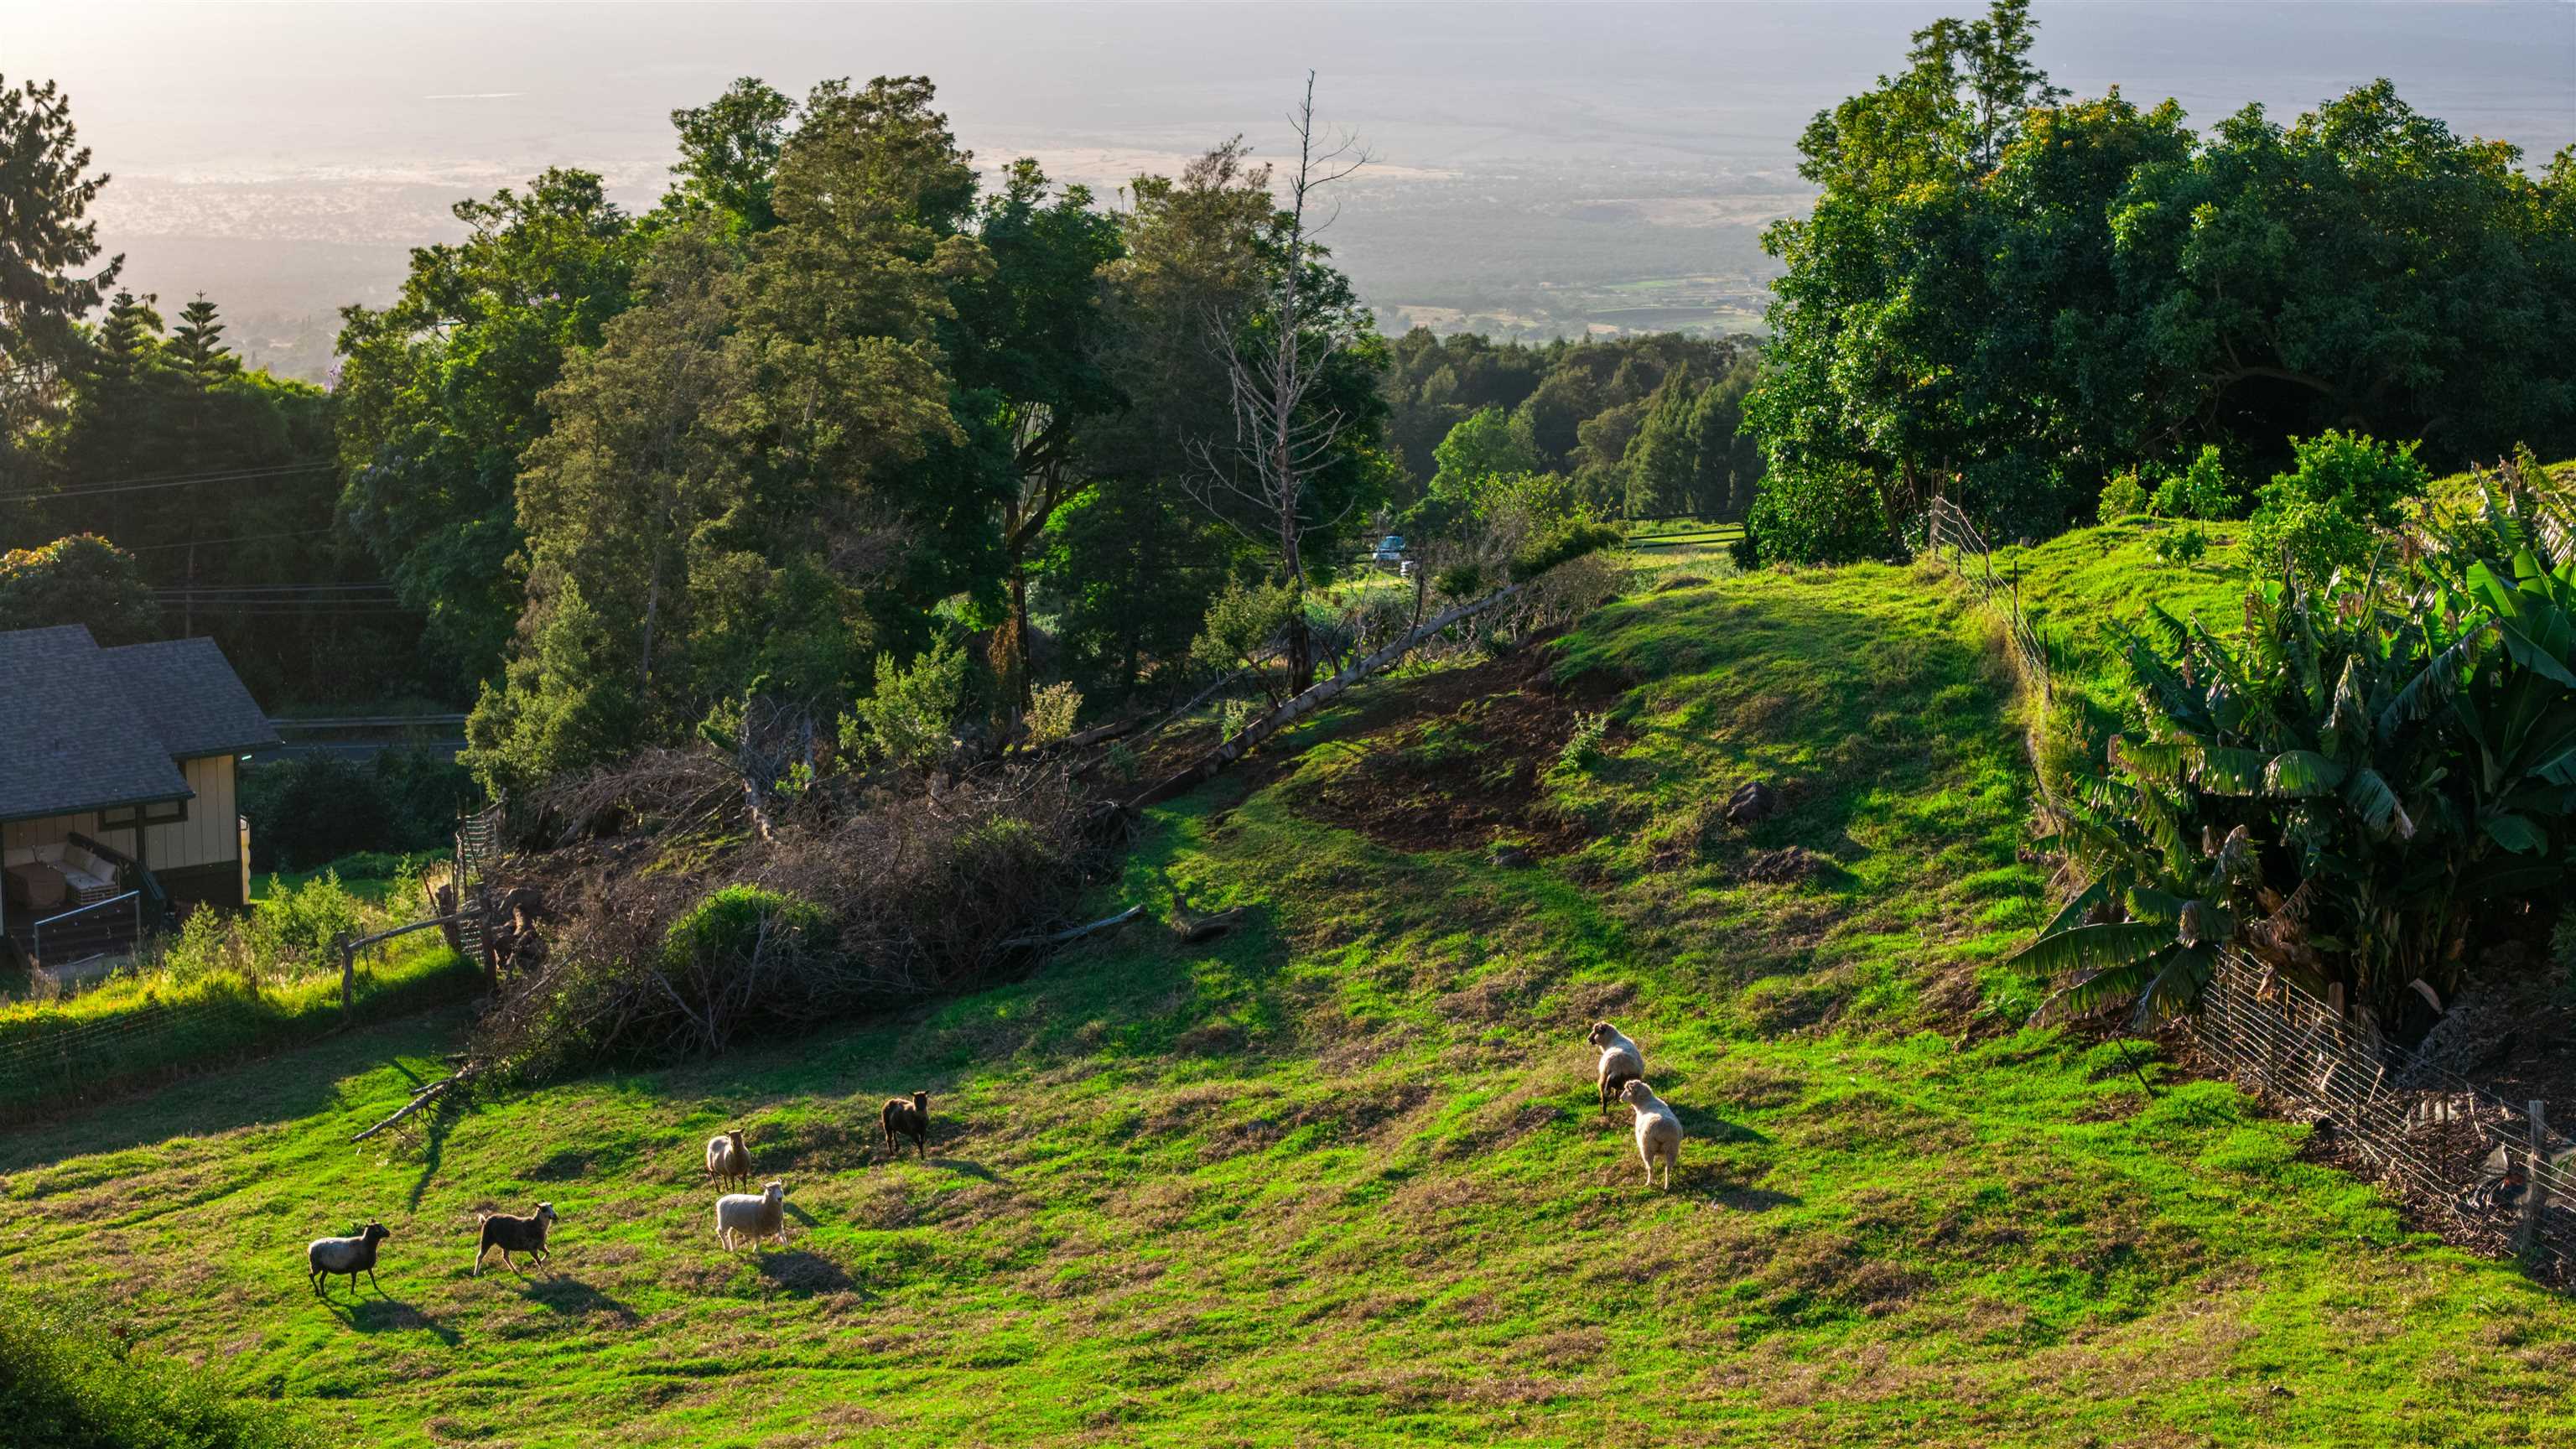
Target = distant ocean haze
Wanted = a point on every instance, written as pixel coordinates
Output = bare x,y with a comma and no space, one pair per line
1537,162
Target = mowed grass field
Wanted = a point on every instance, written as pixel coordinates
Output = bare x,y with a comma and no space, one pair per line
1338,1177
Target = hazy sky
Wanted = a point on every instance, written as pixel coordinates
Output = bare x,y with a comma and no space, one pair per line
283,155
359,89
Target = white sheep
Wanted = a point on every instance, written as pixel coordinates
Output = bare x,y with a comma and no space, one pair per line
1621,1063
755,1216
1659,1131
326,1256
728,1160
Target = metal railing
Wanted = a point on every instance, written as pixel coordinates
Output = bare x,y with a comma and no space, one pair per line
101,930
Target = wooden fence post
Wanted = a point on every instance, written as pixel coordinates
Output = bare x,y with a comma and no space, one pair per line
2535,1198
348,968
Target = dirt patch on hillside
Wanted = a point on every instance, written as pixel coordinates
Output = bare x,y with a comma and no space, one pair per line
1463,760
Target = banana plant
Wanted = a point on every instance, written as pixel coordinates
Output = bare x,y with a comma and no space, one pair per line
2341,786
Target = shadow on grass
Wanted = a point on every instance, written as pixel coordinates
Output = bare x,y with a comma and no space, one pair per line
1753,1199
574,1298
803,1273
433,1144
387,1315
293,1085
965,1168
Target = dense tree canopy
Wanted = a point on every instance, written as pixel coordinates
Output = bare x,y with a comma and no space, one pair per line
1465,406
2007,297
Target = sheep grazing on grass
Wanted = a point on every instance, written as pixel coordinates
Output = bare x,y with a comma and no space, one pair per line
352,1256
912,1119
728,1160
1659,1131
755,1216
509,1234
1621,1063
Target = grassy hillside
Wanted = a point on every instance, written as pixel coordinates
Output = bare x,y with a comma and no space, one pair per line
1337,1177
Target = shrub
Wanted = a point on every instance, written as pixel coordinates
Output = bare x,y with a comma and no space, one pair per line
66,1383
1822,515
909,719
1460,581
310,811
2322,514
2201,490
1559,543
2122,497
297,924
2184,545
1053,709
735,924
1583,747
1242,624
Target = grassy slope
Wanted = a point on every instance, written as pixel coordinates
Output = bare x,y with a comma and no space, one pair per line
1337,1178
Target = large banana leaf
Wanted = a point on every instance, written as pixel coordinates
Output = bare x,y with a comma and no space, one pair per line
2382,814
2081,949
2295,774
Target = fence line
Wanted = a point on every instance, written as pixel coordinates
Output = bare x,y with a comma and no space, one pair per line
2503,1176
1947,527
2499,1173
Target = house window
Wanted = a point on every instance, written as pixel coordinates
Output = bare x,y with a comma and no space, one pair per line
168,812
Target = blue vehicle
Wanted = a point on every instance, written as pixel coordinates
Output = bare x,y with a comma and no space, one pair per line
1390,550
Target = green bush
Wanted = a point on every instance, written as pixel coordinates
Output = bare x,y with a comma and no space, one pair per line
2324,513
298,923
911,718
2184,545
67,1384
2122,497
310,811
1570,539
1829,515
2201,490
730,923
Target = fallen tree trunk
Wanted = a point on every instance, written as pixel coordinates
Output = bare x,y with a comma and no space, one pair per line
1215,761
424,1096
1074,933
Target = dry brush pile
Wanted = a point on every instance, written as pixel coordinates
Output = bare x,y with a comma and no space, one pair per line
688,908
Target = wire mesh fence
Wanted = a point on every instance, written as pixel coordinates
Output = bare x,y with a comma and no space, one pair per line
2490,1174
1948,530
2495,1175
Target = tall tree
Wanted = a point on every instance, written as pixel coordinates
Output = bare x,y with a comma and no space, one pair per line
1031,338
1291,432
729,153
1131,564
439,395
46,239
197,351
625,502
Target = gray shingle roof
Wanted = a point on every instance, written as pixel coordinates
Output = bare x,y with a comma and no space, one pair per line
84,728
196,704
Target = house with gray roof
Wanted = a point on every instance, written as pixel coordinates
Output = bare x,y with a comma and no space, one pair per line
117,771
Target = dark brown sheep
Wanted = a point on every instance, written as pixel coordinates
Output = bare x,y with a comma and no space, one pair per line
509,1234
912,1119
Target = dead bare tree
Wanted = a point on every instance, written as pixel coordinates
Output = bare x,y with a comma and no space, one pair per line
1278,439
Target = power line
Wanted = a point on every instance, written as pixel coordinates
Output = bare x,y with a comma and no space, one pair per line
241,475
238,538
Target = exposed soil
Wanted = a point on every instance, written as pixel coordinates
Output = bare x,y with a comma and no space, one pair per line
1460,757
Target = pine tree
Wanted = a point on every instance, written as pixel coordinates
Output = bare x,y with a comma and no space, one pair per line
129,344
197,350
